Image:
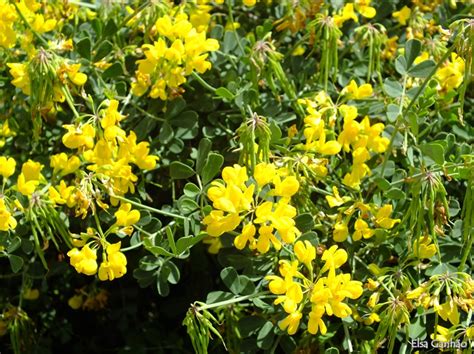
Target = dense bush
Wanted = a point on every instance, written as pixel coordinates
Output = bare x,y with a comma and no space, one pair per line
243,176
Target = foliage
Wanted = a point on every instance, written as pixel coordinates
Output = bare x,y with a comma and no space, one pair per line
265,176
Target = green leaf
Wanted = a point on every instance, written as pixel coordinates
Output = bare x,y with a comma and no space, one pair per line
393,88
236,283
265,336
185,243
186,119
395,193
104,49
250,325
113,71
166,133
401,65
211,167
203,151
179,170
382,183
16,262
162,281
423,69
222,92
174,274
156,250
392,112
434,151
14,244
110,28
186,205
304,222
191,190
84,48
218,296
412,50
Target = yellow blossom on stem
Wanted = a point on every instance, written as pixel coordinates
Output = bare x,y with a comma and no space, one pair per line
7,166
126,216
7,221
402,15
114,265
423,248
84,260
383,219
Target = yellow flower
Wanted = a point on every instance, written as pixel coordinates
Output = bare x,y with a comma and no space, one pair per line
362,230
79,136
7,221
373,317
267,237
442,334
403,15
448,311
315,322
72,72
31,294
247,236
84,260
340,232
217,223
356,92
336,200
383,219
347,13
60,162
364,9
249,3
8,16
7,166
334,258
214,243
21,79
126,216
75,302
451,75
115,266
305,252
29,177
423,248
291,322
42,26
264,173
286,188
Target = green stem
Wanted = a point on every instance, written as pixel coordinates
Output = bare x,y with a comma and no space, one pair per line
232,301
203,82
146,207
70,101
231,18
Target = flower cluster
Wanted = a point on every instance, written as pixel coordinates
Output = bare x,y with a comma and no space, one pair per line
324,294
179,50
262,202
108,152
348,12
114,262
458,288
380,217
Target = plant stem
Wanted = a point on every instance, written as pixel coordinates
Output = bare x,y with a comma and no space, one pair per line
232,301
146,207
203,82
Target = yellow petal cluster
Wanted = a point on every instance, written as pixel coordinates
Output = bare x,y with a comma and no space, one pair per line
179,50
